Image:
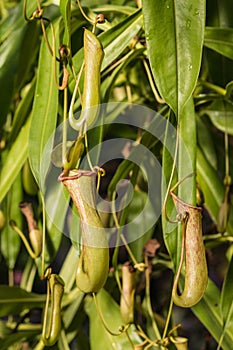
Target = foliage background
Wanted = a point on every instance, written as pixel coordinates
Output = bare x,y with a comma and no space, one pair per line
183,52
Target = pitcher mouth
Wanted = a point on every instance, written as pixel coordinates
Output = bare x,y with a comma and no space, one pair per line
185,204
77,173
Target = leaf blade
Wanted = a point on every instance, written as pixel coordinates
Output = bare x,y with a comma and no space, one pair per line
65,9
220,40
175,51
45,106
208,312
15,299
14,160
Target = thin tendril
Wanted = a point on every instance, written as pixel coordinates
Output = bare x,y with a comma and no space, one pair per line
144,336
168,318
171,177
45,34
38,4
117,63
118,280
87,153
213,87
64,131
76,89
24,239
129,339
180,181
103,321
226,155
84,15
25,11
153,88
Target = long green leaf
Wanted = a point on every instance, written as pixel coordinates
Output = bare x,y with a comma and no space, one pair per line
221,114
174,35
206,141
136,206
169,233
226,302
210,184
66,15
116,39
45,107
123,9
186,161
16,157
208,312
186,164
15,20
108,83
12,339
212,188
9,65
220,70
68,268
56,207
23,111
10,240
27,62
14,299
220,40
187,152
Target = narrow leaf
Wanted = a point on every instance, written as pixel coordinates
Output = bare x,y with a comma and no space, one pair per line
221,114
123,9
66,13
27,62
9,65
107,85
206,141
23,111
174,35
56,208
186,161
185,165
187,153
208,312
220,40
210,184
10,240
220,70
16,157
169,231
14,299
226,302
212,188
44,113
114,44
12,338
16,19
